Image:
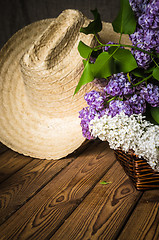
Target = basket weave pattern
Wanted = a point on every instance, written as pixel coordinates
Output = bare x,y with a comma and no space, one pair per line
139,171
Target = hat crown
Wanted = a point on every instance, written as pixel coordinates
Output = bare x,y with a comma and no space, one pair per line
52,66
58,36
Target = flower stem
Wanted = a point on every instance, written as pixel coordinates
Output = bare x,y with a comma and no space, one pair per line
111,99
128,76
122,45
97,39
143,80
154,61
120,38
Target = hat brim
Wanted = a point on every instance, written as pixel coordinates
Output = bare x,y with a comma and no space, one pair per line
22,129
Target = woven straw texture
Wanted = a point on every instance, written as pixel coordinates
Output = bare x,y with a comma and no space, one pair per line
139,171
39,70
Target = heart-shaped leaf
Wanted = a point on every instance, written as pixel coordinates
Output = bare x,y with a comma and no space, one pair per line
155,113
125,21
87,76
138,72
125,59
84,62
94,26
84,50
156,73
150,69
102,68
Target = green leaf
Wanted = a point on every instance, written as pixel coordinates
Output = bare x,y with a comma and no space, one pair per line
125,21
87,76
138,73
102,68
84,50
94,26
105,183
156,73
155,113
84,62
149,70
124,59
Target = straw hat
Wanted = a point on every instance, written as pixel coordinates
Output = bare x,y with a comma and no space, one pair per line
39,69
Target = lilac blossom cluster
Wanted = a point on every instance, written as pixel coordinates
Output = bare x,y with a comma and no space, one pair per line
87,114
151,94
95,101
150,17
146,35
138,6
125,133
119,85
117,96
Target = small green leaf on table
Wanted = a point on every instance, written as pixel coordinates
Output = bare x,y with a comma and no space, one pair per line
105,183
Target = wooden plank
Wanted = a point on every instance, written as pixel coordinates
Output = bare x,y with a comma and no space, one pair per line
20,187
11,162
47,210
103,212
3,148
144,221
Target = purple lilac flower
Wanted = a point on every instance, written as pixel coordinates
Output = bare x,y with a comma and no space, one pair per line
106,48
86,115
95,99
116,106
145,40
138,6
151,94
150,18
119,85
143,60
151,39
137,104
146,36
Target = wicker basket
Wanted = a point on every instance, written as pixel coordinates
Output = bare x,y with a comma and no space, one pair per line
139,171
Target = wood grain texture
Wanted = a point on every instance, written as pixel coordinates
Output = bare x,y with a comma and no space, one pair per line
72,204
103,211
11,162
144,222
20,187
30,178
3,148
48,209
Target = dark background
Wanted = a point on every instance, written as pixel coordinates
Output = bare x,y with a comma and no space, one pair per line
15,14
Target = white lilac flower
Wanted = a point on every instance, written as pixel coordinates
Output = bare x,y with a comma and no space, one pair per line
125,133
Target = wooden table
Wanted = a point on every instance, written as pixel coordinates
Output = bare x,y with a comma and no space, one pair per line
65,199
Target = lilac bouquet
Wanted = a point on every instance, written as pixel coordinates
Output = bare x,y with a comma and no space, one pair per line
125,109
